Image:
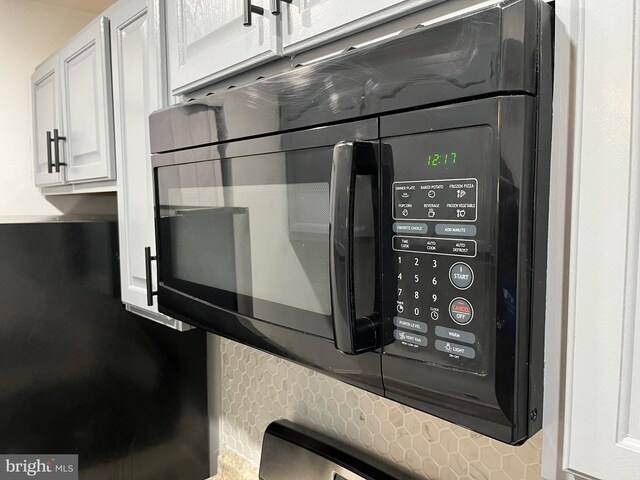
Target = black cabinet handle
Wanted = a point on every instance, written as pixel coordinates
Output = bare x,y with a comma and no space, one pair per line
49,158
352,335
56,146
148,258
276,8
249,9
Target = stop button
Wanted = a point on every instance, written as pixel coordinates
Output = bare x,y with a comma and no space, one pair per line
460,311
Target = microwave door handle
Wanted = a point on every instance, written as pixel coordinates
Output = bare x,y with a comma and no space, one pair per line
352,335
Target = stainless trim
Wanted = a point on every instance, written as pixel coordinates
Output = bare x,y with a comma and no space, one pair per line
282,460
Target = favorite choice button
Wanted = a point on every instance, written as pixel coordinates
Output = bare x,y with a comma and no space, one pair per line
410,228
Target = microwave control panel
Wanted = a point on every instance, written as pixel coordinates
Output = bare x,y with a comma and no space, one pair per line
441,249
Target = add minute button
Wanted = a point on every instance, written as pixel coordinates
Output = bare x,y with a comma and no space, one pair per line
455,230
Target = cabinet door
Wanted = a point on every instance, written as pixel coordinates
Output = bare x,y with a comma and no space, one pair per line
46,110
207,40
138,80
86,104
310,22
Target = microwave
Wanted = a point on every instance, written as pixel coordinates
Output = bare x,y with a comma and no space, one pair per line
379,215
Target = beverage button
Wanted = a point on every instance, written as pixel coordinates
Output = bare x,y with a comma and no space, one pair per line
454,350
461,275
460,311
457,335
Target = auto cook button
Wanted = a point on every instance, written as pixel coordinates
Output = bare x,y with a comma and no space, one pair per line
461,275
460,311
455,350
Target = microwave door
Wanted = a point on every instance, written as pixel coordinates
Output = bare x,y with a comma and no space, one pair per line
250,234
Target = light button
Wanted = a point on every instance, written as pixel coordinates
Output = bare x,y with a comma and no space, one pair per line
454,350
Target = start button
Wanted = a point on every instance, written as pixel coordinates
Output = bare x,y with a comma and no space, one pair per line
461,275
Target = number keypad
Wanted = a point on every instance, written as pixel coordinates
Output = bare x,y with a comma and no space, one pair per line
434,312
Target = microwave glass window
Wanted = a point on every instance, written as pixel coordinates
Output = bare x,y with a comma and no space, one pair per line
250,234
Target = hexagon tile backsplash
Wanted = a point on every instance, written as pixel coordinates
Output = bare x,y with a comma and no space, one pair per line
258,388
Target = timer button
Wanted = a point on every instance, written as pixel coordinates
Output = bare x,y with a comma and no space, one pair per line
461,311
461,275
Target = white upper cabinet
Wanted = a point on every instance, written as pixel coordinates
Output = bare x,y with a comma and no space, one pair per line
46,119
208,40
138,90
85,77
307,23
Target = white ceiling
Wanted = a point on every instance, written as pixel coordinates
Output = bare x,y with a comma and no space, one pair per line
91,6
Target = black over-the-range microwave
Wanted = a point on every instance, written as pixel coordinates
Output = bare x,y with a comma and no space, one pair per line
379,215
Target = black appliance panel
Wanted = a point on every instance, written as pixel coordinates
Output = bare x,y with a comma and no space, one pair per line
470,360
80,374
443,184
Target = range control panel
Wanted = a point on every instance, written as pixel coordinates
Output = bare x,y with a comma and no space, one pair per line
441,243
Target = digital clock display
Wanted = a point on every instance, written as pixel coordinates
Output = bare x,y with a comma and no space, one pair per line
443,158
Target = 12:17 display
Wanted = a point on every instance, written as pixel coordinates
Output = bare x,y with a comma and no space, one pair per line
437,159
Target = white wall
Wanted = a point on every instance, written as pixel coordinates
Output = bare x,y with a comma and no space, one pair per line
29,33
